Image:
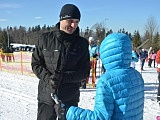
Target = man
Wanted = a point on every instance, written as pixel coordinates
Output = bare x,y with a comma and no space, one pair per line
120,90
143,56
61,61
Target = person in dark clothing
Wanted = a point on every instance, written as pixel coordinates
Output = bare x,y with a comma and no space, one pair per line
150,56
143,56
8,55
61,61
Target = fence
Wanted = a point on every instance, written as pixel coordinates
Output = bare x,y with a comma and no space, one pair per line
20,62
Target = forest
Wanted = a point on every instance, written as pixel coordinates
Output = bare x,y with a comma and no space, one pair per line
29,36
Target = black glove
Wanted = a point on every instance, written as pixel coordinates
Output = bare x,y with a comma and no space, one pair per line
60,110
54,79
95,55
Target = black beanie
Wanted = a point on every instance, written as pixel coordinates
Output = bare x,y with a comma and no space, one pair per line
69,11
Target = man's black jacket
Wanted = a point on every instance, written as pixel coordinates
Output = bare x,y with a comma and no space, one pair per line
68,53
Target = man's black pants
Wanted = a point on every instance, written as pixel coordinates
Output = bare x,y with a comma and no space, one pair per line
47,112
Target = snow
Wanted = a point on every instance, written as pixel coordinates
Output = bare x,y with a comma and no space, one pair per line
18,95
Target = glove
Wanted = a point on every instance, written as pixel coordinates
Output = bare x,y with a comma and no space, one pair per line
60,110
95,55
54,79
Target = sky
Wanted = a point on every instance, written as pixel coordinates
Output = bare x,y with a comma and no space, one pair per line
114,14
18,94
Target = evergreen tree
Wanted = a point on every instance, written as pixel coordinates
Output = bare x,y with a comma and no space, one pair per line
136,41
155,45
4,39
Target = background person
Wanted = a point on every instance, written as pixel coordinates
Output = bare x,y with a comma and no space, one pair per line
158,71
94,53
143,56
135,58
150,56
12,54
61,61
8,54
153,58
2,53
120,90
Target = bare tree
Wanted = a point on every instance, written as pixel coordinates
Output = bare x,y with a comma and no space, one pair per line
99,30
151,28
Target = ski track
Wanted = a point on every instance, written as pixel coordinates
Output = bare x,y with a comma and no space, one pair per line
18,96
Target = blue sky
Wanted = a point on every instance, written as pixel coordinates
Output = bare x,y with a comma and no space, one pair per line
115,14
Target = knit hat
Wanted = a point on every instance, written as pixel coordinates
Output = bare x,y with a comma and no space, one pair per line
69,11
91,39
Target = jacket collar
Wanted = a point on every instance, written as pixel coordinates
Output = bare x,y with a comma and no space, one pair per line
75,33
62,36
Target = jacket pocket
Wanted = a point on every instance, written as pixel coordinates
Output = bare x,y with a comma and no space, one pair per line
51,56
51,59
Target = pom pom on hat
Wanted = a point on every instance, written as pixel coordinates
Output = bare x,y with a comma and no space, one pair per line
69,11
91,38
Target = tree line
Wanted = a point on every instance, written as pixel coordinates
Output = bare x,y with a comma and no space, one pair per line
29,36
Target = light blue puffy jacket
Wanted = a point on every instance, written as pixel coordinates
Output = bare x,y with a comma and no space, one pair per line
120,90
93,49
134,56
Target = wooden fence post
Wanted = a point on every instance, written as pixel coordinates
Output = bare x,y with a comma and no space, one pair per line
21,62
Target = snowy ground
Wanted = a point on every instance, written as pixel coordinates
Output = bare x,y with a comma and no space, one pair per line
18,95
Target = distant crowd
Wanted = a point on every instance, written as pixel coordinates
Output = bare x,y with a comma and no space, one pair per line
147,56
7,55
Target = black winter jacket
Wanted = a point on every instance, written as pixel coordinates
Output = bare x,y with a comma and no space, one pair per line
57,50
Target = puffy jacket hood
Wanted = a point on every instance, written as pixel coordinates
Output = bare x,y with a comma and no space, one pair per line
116,51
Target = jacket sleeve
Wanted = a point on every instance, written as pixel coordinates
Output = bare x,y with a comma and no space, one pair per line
134,57
158,57
103,109
38,64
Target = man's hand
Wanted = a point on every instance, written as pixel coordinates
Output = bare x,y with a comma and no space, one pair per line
54,83
60,110
54,80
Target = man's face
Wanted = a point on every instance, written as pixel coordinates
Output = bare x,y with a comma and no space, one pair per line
69,25
91,42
